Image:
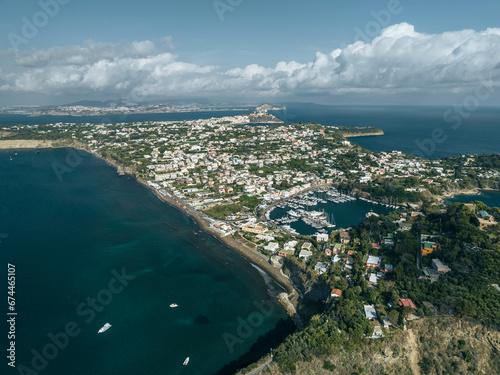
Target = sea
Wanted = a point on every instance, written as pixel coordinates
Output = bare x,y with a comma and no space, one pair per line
428,132
490,198
88,247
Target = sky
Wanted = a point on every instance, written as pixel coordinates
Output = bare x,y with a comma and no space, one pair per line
322,51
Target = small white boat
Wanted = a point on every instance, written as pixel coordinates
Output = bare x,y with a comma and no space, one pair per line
174,305
104,328
186,361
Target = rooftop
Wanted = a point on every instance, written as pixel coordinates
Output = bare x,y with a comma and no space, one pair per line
370,312
406,302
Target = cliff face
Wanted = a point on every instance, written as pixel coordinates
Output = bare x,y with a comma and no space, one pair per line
312,288
439,345
21,143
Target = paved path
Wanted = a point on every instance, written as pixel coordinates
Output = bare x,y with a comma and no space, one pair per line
261,368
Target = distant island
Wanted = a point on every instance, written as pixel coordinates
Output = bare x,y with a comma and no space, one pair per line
124,107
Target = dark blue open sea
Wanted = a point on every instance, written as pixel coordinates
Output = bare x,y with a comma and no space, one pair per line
70,238
429,132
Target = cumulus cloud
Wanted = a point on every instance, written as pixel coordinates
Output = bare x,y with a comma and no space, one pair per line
399,60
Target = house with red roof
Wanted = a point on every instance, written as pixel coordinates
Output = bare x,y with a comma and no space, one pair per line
336,293
406,302
373,262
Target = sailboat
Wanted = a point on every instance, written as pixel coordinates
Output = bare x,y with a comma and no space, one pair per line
332,225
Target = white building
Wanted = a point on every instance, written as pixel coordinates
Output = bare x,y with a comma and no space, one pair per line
305,254
370,312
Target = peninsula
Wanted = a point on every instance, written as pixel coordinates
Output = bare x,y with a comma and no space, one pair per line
346,288
359,131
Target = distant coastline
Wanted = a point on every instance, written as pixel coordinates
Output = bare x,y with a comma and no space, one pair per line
123,113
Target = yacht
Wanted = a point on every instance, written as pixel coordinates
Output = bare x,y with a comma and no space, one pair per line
104,328
186,361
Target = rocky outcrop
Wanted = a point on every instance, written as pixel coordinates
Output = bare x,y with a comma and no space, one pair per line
310,286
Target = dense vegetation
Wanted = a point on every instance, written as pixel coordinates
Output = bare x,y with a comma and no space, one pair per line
465,291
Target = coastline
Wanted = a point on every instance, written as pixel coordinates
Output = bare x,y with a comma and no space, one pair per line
24,144
354,135
474,191
251,255
254,257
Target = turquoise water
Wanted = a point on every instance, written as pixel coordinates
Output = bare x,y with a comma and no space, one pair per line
488,197
345,214
66,237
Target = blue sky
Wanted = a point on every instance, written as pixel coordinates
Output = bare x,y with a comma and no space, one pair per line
108,49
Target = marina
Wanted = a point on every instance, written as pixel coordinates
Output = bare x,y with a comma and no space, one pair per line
324,210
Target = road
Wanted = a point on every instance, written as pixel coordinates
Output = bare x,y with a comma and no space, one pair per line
261,368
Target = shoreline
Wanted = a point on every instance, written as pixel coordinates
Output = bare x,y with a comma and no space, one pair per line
254,257
25,144
466,192
127,113
354,135
257,259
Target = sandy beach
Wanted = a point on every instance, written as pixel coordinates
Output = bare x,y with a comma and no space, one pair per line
253,256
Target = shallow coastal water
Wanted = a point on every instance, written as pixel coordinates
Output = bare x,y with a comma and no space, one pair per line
488,197
69,237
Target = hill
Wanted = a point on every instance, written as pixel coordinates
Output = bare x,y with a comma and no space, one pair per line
445,345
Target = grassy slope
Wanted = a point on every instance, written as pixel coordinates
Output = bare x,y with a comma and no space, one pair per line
439,345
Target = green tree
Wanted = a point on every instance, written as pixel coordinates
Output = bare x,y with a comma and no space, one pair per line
394,317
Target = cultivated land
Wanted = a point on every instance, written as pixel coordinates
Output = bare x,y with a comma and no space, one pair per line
414,291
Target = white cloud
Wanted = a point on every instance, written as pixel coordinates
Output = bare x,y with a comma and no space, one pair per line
399,60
